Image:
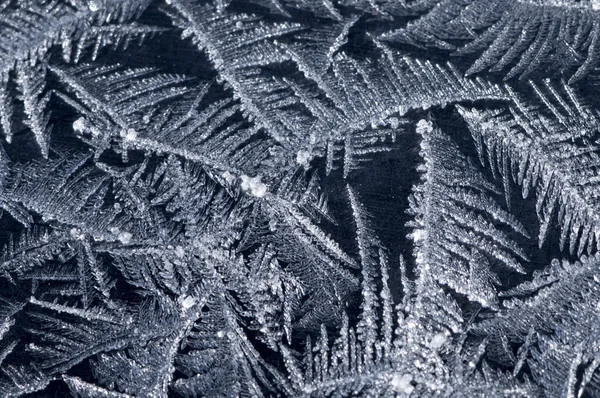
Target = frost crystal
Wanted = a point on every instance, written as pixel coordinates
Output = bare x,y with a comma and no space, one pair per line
129,134
93,5
402,383
188,302
424,127
341,198
79,125
253,186
303,158
124,237
438,341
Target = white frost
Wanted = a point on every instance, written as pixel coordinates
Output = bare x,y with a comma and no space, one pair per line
77,234
179,251
303,158
424,127
188,302
401,383
419,235
79,125
253,186
124,237
227,176
437,341
129,134
93,5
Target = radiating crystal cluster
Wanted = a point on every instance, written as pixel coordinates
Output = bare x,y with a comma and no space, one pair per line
299,198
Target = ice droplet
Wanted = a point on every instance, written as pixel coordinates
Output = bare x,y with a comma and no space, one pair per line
437,341
79,125
419,235
188,302
253,186
273,225
424,127
129,134
401,383
124,237
77,234
93,5
303,158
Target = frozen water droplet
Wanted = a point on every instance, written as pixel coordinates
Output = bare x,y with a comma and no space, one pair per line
437,341
188,302
239,25
79,125
129,134
273,225
77,234
303,158
401,383
424,127
220,334
93,5
253,186
124,237
419,235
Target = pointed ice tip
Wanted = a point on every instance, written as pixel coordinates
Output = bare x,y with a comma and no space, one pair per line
472,70
461,109
44,149
576,77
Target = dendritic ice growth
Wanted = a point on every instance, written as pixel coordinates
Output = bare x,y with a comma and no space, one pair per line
299,198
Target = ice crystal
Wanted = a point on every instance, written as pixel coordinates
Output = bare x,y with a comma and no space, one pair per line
299,198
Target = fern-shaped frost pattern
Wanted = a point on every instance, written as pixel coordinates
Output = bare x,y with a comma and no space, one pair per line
299,198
